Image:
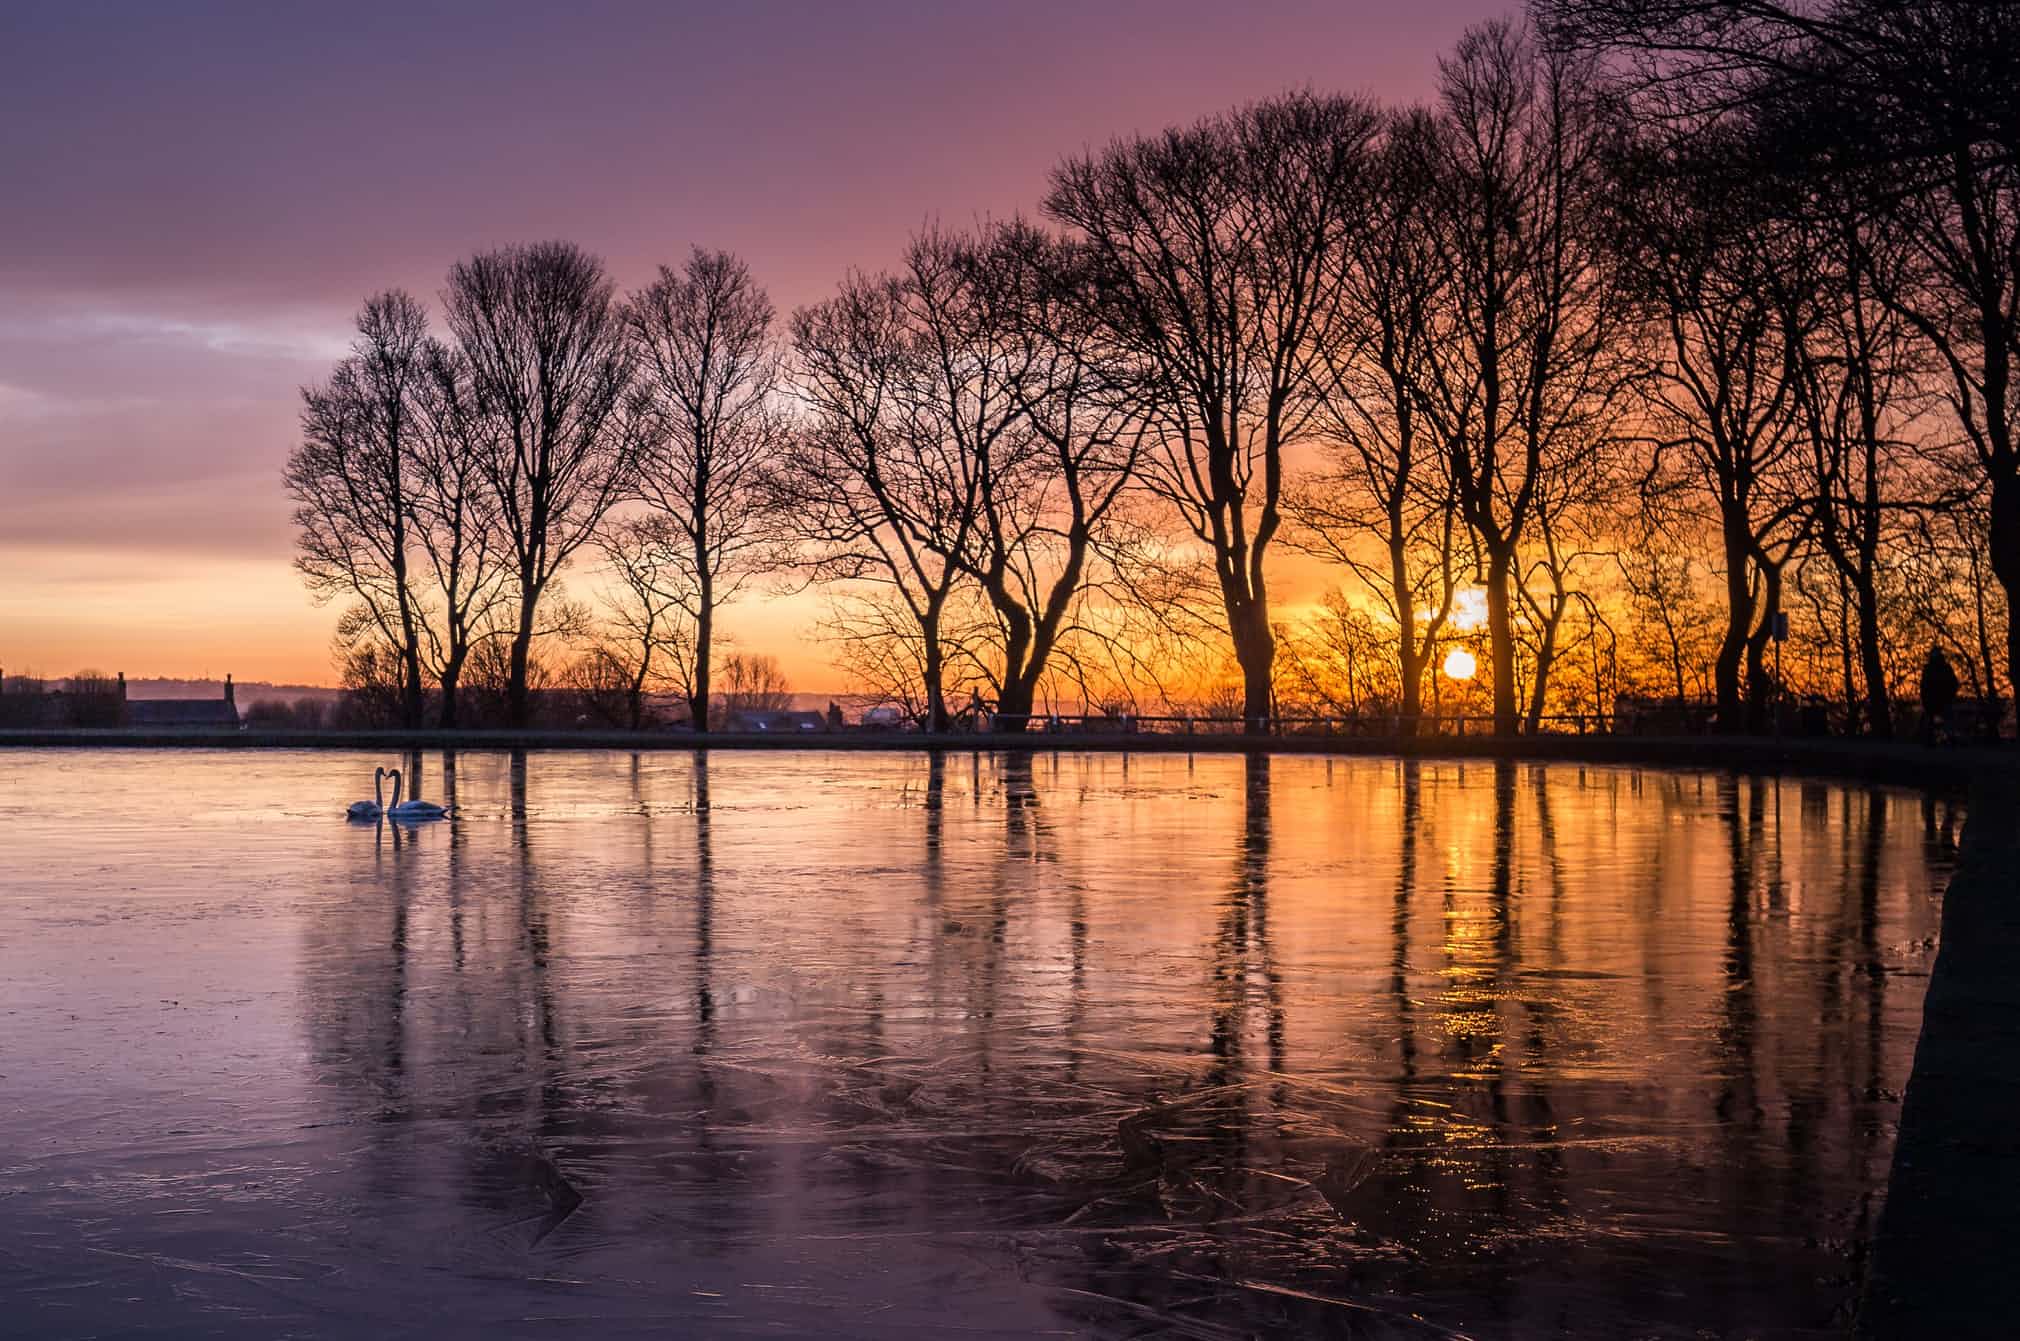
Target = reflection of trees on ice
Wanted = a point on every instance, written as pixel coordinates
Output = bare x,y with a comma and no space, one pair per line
1193,1041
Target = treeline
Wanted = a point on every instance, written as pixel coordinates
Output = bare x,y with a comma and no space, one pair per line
1666,326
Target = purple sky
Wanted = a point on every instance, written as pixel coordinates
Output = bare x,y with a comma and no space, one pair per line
197,195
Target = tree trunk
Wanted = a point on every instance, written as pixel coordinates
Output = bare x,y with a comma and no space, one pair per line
2004,543
1409,662
1879,710
1501,639
452,679
634,693
412,698
934,669
1413,687
1879,706
518,699
1546,658
1762,696
411,694
1013,704
1255,649
1854,696
1675,658
1739,603
698,689
1029,636
1020,667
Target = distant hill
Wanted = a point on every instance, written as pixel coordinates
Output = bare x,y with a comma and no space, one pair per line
247,692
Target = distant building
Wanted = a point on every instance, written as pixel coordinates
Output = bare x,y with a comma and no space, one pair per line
771,719
180,711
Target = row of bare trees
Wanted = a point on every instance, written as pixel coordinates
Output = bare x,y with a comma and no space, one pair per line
443,486
1824,210
1665,320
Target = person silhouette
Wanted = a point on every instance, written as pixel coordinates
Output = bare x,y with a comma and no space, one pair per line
1939,694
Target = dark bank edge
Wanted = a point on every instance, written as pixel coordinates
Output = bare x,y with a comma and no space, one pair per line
1943,1252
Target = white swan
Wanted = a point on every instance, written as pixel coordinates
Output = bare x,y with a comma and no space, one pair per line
411,810
372,809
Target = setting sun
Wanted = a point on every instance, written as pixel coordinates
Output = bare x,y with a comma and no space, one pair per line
1460,664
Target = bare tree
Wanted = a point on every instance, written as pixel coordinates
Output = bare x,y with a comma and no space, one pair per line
352,481
1947,585
878,493
1961,294
878,646
551,369
648,642
1669,626
93,698
1570,510
1050,479
711,370
600,682
1385,481
457,526
371,677
1339,660
1724,323
1523,350
754,683
1916,96
1856,382
1211,245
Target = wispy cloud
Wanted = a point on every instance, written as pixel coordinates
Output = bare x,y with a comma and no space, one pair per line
28,405
306,339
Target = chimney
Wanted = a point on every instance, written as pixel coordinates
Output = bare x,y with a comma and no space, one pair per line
122,686
228,696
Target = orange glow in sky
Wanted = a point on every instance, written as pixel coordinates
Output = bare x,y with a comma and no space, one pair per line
186,242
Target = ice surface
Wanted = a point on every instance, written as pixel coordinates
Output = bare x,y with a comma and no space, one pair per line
878,1045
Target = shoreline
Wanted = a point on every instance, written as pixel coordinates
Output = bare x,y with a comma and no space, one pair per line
1941,1250
1890,762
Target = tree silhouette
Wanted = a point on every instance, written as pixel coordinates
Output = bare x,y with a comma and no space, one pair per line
352,479
1211,247
711,374
1385,479
551,371
1912,100
1524,362
881,484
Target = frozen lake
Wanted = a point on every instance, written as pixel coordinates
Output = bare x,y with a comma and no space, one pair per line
872,1045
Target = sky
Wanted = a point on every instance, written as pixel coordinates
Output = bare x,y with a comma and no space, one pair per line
195,197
